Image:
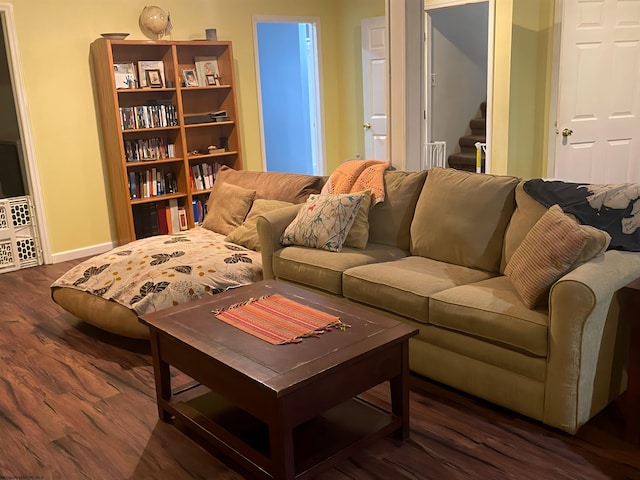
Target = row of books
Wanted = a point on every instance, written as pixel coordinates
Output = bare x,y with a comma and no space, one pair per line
148,116
151,182
156,218
199,210
155,148
203,175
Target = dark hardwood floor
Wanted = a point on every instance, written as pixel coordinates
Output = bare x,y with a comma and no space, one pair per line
77,403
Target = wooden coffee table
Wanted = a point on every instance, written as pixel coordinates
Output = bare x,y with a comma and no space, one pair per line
281,411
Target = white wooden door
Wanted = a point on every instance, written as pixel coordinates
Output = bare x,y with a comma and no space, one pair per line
375,87
598,120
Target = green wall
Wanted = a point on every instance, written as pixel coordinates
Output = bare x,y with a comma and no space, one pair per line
53,46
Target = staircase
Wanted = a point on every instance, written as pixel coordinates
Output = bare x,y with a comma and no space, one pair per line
466,158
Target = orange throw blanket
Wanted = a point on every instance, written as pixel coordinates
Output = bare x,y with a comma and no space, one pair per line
358,175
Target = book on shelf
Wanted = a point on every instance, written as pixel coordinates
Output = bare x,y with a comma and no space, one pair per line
198,211
151,182
148,116
175,216
163,224
182,215
144,149
145,220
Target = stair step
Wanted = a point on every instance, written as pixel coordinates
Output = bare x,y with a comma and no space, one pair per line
478,126
463,161
470,140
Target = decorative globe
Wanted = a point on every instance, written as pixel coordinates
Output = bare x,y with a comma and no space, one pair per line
153,21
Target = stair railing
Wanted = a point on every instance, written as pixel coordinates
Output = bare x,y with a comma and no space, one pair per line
434,155
481,150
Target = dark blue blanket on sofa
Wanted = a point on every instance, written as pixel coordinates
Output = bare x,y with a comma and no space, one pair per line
612,208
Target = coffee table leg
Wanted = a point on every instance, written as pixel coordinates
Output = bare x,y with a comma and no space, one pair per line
281,446
400,394
162,378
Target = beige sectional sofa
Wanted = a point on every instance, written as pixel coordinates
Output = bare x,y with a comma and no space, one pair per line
438,249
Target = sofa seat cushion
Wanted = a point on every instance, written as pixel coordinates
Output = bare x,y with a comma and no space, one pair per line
323,269
492,310
404,286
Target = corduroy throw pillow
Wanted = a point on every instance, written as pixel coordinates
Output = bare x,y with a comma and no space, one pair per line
547,252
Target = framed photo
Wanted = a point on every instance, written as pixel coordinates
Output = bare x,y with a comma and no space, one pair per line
211,79
153,77
190,79
123,74
206,66
144,65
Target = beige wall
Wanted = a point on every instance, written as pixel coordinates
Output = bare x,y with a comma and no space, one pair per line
530,87
53,47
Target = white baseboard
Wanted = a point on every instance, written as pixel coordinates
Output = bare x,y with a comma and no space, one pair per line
81,252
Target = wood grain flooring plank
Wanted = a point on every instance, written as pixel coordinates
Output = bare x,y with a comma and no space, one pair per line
79,403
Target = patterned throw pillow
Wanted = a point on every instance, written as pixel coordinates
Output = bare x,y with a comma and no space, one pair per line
546,254
323,222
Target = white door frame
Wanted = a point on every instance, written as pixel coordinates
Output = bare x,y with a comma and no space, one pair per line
490,54
319,140
26,137
552,123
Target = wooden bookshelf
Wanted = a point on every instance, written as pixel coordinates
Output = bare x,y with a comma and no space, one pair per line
161,139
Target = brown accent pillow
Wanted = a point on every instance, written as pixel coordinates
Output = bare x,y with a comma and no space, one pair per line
247,233
227,207
358,235
547,252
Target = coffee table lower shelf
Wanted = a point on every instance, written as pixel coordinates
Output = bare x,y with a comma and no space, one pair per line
334,435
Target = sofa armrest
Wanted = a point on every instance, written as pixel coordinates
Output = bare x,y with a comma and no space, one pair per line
271,226
582,334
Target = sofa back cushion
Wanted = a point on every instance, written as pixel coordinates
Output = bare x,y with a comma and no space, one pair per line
461,218
288,187
390,221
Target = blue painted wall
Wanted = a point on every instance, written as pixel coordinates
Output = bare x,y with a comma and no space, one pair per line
285,97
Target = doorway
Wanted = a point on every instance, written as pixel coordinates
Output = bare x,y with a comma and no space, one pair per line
23,240
458,78
289,94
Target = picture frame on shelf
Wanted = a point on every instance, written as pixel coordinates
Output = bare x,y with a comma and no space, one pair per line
207,65
144,65
190,78
153,77
211,79
124,74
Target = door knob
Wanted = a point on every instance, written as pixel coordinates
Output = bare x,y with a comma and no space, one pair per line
367,126
566,132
